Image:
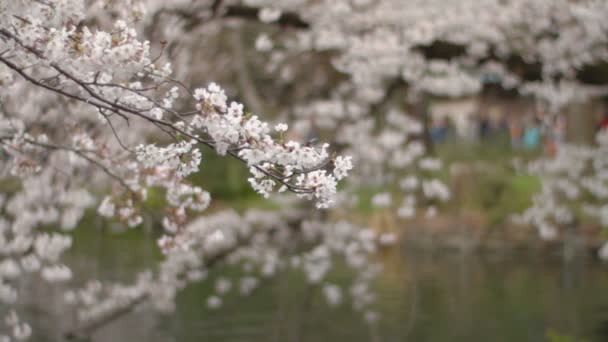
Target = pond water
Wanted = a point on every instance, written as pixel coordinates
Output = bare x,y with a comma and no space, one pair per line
422,296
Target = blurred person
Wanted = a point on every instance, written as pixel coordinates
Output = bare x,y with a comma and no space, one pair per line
485,127
603,125
501,134
440,130
472,129
516,133
532,134
556,131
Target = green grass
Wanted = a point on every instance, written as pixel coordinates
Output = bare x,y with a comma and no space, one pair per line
491,187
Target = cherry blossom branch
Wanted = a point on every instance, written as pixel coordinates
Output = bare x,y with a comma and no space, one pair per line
87,328
103,103
81,153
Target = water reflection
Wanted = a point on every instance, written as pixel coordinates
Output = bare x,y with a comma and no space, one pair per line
422,296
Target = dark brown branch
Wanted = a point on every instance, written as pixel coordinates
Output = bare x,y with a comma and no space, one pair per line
390,91
215,7
82,154
194,19
287,19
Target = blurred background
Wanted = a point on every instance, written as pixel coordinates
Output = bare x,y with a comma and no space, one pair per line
473,265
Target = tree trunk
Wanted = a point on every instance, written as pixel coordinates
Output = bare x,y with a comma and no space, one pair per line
581,122
421,110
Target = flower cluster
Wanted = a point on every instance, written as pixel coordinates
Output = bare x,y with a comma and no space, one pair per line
182,157
575,174
273,163
96,98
